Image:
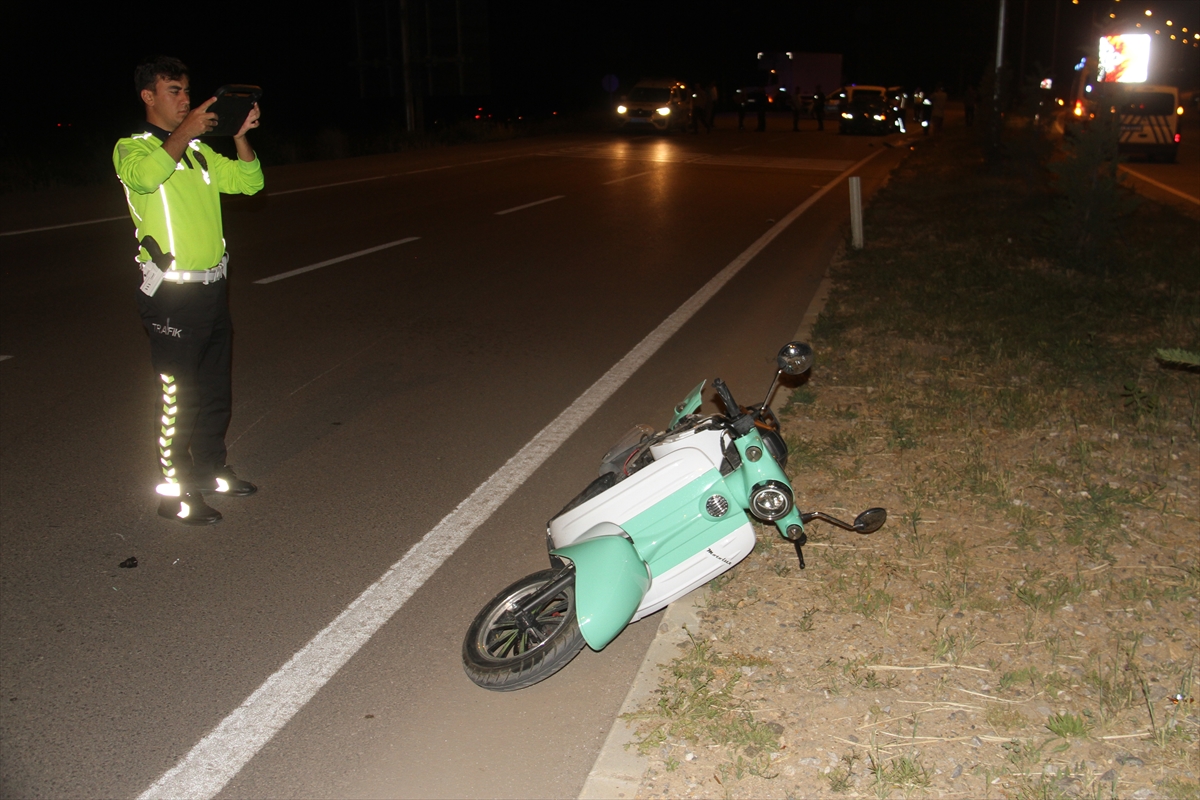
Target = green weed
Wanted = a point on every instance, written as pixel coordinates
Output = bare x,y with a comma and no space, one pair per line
697,703
1068,726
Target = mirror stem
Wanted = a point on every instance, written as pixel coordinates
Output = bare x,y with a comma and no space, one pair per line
767,399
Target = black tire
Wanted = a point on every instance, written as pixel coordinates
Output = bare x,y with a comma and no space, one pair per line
498,653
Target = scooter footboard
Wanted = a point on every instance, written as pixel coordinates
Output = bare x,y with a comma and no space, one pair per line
610,581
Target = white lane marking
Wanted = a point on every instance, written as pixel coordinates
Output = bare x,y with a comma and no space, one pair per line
1162,186
220,755
626,178
337,260
5,358
278,194
530,205
394,175
327,185
64,225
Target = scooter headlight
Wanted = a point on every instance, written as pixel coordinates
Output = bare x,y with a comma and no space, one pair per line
770,500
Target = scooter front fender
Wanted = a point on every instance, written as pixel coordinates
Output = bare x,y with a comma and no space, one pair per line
610,581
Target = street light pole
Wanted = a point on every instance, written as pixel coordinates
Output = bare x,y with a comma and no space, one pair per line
996,110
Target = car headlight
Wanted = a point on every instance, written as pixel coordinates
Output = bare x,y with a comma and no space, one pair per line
665,110
770,500
878,117
621,109
847,115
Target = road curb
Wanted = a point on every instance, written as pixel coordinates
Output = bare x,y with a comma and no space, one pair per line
619,768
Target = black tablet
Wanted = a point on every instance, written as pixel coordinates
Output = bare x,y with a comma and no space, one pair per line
233,105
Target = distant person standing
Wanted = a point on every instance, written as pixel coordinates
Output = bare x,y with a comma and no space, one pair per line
970,100
740,98
818,107
173,182
699,106
937,109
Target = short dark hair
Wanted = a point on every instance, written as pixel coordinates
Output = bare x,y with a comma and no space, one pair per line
151,69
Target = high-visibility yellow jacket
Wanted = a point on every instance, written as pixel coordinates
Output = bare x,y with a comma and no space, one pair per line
176,207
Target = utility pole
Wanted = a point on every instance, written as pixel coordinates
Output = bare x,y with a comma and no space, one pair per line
462,72
361,63
1020,77
997,121
409,109
391,62
1054,42
428,49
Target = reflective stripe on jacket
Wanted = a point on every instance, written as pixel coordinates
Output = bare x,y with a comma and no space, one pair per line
176,207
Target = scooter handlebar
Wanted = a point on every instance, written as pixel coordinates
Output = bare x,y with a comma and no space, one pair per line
731,407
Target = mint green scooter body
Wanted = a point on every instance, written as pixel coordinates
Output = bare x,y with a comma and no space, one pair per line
610,581
690,405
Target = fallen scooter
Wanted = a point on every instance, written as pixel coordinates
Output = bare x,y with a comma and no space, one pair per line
670,511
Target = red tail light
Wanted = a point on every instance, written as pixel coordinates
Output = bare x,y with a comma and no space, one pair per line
1177,138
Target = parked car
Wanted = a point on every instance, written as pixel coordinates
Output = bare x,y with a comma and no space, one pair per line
867,109
654,105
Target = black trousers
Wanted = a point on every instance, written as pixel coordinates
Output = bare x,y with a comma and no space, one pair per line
191,342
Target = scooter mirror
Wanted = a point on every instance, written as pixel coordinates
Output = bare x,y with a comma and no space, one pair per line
870,520
795,358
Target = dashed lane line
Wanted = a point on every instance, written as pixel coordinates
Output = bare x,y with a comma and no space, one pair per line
64,225
626,178
530,205
338,260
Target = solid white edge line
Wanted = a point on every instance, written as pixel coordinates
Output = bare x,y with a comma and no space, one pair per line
225,750
530,205
5,358
1162,186
337,260
64,225
627,178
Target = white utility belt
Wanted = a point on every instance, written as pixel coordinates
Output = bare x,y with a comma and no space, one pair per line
155,276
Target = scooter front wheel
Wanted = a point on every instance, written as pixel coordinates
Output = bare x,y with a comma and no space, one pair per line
505,650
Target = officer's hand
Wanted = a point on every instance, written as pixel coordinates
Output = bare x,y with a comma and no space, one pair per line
199,121
251,122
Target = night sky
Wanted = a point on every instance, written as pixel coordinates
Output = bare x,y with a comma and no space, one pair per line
75,66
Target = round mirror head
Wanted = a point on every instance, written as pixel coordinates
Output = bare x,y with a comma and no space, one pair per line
795,358
870,520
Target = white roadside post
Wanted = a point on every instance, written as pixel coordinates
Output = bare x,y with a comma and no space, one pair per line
856,225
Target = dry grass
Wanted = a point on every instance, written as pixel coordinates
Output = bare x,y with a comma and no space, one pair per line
1026,623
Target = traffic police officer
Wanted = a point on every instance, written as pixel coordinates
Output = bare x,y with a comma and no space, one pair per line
173,182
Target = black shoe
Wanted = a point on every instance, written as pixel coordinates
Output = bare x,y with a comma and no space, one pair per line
225,482
189,508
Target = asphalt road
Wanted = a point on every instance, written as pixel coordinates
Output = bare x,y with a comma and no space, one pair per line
1176,183
372,396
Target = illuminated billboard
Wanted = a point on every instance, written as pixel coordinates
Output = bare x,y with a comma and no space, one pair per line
1124,58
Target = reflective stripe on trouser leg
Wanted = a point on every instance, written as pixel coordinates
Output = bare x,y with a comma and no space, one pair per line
166,437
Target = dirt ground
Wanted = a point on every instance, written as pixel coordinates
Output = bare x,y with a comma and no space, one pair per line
1024,626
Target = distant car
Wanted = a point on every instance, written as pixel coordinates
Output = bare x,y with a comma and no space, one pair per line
654,105
867,109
